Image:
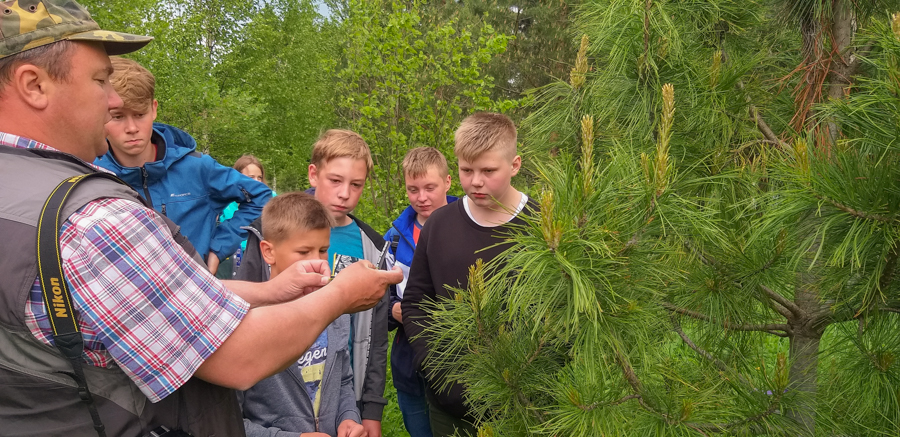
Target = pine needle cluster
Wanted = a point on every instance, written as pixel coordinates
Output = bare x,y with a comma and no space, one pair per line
698,266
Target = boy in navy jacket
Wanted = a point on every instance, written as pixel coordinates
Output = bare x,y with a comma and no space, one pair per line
427,182
161,163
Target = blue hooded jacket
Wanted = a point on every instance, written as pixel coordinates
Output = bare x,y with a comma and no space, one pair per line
403,368
192,189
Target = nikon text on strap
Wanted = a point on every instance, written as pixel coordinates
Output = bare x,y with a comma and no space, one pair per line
57,297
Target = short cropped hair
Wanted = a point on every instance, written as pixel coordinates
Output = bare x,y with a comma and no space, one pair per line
248,159
134,83
417,162
293,212
484,132
340,143
55,59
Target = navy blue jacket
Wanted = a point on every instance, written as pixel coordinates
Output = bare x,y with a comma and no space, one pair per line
192,189
403,366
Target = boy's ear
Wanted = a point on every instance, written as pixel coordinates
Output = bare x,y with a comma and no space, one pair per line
312,172
153,107
449,182
267,249
516,165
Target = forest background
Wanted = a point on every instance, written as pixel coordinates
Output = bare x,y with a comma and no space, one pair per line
718,180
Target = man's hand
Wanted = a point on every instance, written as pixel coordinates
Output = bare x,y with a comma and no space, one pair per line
349,428
362,286
298,280
396,313
314,434
372,427
212,262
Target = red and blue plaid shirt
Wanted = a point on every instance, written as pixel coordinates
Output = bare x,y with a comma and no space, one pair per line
142,303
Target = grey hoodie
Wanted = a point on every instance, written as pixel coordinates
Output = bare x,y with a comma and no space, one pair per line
279,405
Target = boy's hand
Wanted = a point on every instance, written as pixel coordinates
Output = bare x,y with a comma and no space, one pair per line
362,286
349,428
298,280
314,434
372,427
397,313
212,262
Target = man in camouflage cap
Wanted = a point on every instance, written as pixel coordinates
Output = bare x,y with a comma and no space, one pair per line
162,336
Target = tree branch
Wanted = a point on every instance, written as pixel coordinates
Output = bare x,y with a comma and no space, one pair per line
771,328
717,362
783,301
717,427
636,385
595,405
853,212
760,123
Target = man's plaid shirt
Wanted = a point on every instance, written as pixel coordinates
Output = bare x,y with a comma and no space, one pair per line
142,303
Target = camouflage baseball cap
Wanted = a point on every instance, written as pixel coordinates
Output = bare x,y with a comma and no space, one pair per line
26,24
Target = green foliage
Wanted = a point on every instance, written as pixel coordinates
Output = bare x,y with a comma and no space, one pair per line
403,84
693,246
539,49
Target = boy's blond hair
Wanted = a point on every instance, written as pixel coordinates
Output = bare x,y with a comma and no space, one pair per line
484,132
341,143
288,213
417,162
134,83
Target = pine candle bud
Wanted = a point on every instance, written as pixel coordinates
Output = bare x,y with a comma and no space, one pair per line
587,155
661,166
895,24
576,77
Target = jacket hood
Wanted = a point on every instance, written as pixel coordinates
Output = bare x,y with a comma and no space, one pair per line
173,144
406,218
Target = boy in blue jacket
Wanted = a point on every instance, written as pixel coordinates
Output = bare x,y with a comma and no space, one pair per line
427,182
162,164
315,396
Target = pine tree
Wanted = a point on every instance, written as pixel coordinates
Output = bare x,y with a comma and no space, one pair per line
718,236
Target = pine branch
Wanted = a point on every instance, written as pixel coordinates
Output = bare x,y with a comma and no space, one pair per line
716,427
635,383
596,405
846,313
771,328
760,122
783,301
717,362
764,127
853,212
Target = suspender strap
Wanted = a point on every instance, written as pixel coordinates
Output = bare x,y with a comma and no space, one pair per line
55,290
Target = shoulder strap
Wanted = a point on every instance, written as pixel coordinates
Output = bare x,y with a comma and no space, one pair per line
55,290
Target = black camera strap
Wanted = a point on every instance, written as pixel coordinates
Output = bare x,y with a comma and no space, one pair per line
57,297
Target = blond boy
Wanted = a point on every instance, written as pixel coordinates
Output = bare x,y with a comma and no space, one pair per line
161,163
340,165
313,397
453,239
427,178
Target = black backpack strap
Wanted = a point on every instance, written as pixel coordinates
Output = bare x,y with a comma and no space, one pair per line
55,290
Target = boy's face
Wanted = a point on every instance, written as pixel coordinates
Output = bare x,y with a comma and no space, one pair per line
301,245
339,182
486,179
130,130
427,192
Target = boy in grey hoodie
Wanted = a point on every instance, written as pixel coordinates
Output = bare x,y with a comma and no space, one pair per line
315,396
